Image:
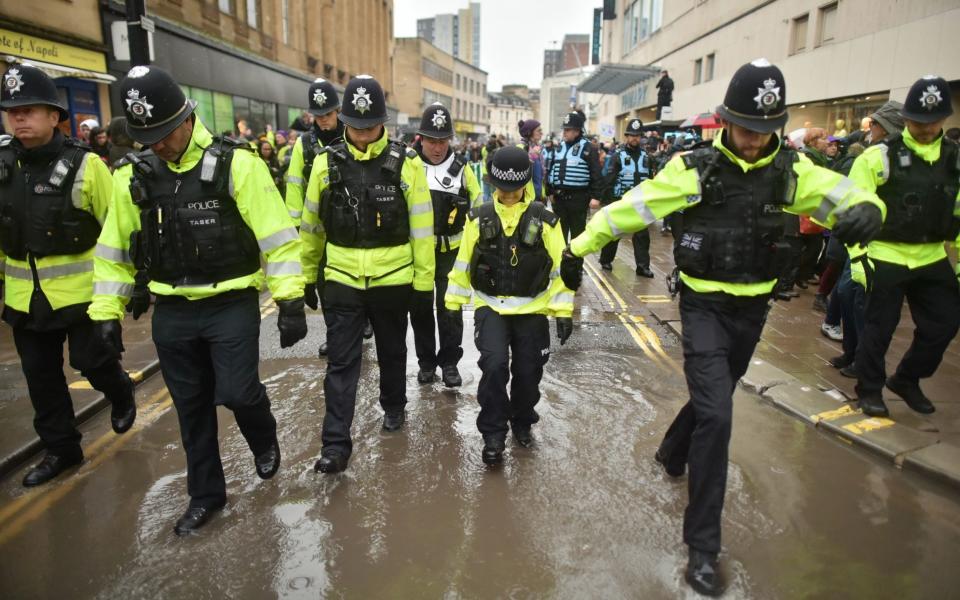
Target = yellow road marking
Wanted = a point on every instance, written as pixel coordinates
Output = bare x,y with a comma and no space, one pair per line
83,384
867,425
653,299
831,415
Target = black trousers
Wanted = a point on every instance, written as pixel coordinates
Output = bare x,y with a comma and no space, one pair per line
41,358
641,249
514,346
811,244
346,311
720,333
934,299
209,353
449,323
571,206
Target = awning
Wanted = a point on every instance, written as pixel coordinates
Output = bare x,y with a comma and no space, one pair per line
616,78
55,71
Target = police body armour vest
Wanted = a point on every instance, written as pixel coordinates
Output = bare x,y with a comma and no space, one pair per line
570,168
511,265
37,211
632,172
363,205
735,233
191,231
920,197
448,191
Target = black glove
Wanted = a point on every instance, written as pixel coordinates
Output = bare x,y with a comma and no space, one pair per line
310,296
110,335
292,322
139,302
858,224
571,269
564,329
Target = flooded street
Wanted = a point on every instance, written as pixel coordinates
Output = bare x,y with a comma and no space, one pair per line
584,513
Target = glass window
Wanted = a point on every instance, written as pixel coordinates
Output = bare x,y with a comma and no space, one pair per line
285,20
204,100
697,71
828,24
798,41
436,72
708,74
293,114
226,6
222,113
253,8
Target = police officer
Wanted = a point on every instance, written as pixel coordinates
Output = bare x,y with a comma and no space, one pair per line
369,205
454,190
733,194
510,257
195,213
54,195
916,173
575,176
326,130
629,167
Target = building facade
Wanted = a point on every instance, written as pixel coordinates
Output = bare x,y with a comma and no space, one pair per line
68,45
552,62
456,34
469,100
424,74
575,51
841,59
253,60
559,94
506,112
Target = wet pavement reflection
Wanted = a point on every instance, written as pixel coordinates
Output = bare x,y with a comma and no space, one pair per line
584,513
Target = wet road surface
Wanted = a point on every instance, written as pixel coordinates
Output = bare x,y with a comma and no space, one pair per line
585,513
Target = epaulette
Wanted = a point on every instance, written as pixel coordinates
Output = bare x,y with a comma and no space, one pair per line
411,153
230,143
474,213
75,143
697,156
549,217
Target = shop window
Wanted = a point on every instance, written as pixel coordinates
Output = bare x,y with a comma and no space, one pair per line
697,71
827,24
204,99
222,113
798,35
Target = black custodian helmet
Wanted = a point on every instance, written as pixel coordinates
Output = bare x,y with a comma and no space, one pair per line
153,103
928,100
26,85
510,168
364,104
574,120
756,98
323,98
436,122
634,127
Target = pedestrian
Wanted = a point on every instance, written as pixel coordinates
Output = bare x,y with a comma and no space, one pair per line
664,92
195,214
54,196
733,194
375,229
454,190
628,168
325,130
915,172
121,144
100,144
510,256
486,153
84,129
575,176
267,155
530,134
283,148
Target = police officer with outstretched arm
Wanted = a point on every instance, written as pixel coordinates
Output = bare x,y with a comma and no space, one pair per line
369,206
916,173
196,213
54,196
729,255
454,190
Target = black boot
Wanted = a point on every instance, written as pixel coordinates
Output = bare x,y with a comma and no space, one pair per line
394,421
322,350
451,376
194,518
606,266
123,411
523,434
367,331
268,462
425,375
51,466
673,469
492,450
872,404
645,272
839,362
703,573
331,462
911,393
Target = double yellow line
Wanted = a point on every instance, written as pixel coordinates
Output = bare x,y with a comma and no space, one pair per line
15,515
646,338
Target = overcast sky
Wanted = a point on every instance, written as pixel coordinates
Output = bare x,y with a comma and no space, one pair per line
513,33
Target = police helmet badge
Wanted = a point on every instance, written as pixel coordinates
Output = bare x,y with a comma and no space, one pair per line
439,119
319,98
138,107
768,96
13,81
930,98
361,100
138,71
635,124
566,119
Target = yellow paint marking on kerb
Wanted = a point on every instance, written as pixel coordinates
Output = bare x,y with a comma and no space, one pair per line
868,425
83,384
832,415
653,299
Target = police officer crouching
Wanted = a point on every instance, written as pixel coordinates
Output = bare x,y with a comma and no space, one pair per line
54,196
454,190
916,173
575,176
368,210
195,213
510,256
729,253
630,167
326,130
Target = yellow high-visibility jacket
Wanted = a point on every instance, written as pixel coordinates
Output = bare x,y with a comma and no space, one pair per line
259,204
364,268
556,300
820,193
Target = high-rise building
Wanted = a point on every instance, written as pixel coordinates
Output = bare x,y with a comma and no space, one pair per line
457,35
552,62
576,51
